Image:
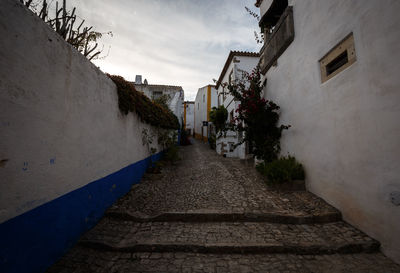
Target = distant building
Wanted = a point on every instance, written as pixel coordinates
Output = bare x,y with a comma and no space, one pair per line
155,91
237,64
333,68
188,116
206,98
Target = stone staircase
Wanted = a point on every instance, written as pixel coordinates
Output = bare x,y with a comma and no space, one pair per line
213,215
212,242
222,237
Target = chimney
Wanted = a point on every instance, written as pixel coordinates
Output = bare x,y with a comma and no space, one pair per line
138,79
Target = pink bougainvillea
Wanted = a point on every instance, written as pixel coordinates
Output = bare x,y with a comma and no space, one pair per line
256,117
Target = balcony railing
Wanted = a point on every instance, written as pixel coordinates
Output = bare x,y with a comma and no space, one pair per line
280,39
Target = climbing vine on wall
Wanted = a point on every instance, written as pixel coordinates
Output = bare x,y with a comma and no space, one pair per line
130,100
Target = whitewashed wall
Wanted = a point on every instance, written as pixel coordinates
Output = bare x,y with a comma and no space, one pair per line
346,131
61,131
214,97
190,116
265,5
61,126
200,108
246,64
175,105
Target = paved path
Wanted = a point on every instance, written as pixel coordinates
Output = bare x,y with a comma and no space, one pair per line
214,214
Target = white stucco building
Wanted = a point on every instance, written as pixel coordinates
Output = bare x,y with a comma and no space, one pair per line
154,91
236,65
188,116
206,98
333,68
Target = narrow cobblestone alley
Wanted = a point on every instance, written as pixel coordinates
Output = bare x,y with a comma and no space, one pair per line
215,214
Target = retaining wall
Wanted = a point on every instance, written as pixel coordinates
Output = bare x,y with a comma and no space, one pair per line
66,152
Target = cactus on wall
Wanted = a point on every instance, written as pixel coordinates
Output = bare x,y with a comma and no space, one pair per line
65,23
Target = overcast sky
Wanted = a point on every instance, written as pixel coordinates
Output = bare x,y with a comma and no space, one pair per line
174,42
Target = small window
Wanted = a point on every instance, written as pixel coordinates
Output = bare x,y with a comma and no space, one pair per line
338,59
198,105
204,98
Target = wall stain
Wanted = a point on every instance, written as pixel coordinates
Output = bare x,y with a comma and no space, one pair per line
3,163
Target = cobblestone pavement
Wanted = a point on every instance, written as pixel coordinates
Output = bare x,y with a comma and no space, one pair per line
82,260
205,181
214,214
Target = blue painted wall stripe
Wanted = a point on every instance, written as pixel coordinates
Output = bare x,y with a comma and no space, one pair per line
34,240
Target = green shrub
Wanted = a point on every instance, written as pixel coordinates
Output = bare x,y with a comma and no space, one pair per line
130,100
282,170
171,154
218,117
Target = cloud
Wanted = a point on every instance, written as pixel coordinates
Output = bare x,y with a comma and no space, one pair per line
176,42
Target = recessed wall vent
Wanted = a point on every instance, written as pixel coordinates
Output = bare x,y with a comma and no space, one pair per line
338,58
337,63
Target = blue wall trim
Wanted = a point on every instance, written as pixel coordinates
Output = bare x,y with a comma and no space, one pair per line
33,241
179,137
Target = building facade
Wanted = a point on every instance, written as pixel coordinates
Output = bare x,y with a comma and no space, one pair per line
188,116
154,91
206,98
332,67
236,66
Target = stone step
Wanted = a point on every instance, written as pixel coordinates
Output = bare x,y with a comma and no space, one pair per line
228,237
221,216
81,259
209,197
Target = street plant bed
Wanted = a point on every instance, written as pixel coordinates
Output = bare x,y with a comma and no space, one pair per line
284,173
